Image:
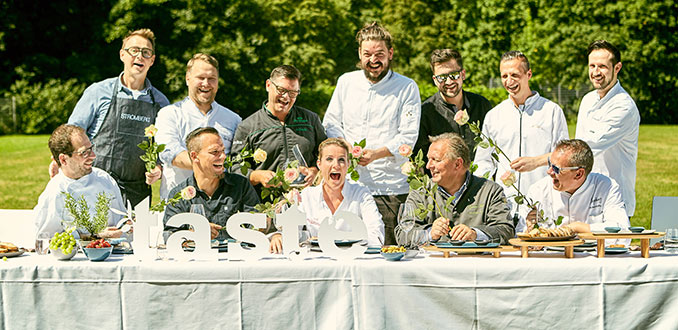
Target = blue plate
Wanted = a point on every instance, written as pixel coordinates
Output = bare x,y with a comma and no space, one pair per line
618,250
373,250
612,229
339,242
467,245
395,256
636,229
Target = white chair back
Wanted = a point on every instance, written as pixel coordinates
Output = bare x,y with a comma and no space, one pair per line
18,227
664,214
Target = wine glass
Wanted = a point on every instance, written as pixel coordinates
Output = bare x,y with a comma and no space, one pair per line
198,209
405,222
280,209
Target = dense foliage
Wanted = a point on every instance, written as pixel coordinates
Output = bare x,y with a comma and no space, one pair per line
47,48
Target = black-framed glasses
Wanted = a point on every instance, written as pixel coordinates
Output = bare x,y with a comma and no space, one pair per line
135,51
87,152
557,169
441,78
281,91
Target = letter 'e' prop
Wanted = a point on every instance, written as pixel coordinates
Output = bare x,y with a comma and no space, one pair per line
328,234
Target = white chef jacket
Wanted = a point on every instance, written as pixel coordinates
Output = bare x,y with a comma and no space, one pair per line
385,113
597,202
175,122
357,200
528,130
610,127
50,208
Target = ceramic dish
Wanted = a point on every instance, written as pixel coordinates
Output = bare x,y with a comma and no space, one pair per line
395,256
13,254
466,245
547,239
619,250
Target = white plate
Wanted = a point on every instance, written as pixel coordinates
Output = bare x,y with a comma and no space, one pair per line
624,232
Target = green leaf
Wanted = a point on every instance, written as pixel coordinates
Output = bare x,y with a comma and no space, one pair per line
362,143
483,145
161,148
355,176
473,167
559,220
415,185
495,156
519,199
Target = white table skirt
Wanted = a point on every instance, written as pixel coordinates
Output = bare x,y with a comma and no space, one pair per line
544,291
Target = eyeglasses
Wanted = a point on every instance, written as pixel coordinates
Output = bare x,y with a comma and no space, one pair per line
134,52
557,169
87,152
441,78
281,91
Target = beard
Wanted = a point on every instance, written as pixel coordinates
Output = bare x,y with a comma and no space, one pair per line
376,78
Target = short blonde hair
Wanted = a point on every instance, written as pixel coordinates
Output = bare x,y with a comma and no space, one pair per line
456,147
202,57
146,33
333,142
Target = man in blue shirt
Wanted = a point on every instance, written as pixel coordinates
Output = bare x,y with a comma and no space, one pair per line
114,113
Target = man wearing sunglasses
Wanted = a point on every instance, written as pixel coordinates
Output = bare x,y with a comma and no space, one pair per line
74,154
438,111
587,201
114,113
277,128
198,109
609,121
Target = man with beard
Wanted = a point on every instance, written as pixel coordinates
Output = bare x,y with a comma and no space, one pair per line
277,127
525,126
439,110
609,121
74,154
382,107
222,194
587,201
198,109
114,112
478,210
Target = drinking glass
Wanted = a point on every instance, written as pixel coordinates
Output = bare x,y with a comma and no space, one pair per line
42,243
405,224
198,209
671,240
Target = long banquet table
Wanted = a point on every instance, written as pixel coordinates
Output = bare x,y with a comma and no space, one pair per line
545,291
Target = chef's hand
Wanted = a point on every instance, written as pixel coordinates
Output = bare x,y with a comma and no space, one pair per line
463,232
154,175
440,228
276,244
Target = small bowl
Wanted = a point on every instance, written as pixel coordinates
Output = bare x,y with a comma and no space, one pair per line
457,242
636,229
409,254
612,229
98,254
482,242
395,256
61,256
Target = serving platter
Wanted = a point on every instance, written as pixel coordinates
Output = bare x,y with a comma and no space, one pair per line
13,254
495,249
525,237
568,245
642,236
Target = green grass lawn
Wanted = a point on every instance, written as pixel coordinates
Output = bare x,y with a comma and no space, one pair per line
23,169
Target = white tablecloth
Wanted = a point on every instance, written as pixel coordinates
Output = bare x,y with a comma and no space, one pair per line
544,291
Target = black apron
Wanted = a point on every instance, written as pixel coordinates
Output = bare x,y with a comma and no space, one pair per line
116,144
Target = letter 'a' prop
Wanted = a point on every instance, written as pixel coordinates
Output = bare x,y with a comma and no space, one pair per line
200,235
290,220
233,226
328,234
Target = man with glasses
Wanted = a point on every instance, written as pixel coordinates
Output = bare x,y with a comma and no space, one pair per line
609,121
74,154
114,112
279,126
198,109
526,126
438,111
587,201
382,107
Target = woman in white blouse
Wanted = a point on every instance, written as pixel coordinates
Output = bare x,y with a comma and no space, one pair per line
336,193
